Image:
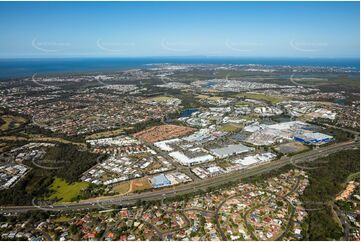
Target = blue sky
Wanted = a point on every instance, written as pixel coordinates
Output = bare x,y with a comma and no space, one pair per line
258,29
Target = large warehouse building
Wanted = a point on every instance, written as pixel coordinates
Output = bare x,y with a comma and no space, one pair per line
191,157
313,138
229,150
160,181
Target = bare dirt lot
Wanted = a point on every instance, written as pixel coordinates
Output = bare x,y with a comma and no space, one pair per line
140,184
163,132
291,148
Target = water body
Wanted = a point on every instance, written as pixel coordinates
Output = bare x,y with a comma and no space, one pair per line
210,84
188,112
19,68
341,102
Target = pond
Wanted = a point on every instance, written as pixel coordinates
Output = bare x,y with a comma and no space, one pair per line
188,112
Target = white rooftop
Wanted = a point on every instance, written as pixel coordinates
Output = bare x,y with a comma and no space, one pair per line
287,125
230,150
185,160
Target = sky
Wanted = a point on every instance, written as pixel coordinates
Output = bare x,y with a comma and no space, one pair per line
122,29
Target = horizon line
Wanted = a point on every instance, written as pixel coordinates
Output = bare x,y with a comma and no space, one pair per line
190,56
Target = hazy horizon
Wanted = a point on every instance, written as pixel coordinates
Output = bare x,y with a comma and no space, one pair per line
179,29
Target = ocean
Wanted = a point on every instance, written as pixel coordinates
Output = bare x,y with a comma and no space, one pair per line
26,67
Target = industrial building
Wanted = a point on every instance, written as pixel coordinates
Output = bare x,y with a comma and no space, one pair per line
280,132
191,157
229,150
292,125
201,135
165,145
160,181
255,159
313,138
208,171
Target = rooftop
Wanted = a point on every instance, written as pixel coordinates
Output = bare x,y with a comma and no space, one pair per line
230,150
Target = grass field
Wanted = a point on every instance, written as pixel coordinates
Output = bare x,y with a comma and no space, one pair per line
242,103
162,98
241,73
251,116
39,138
122,188
11,122
106,134
65,192
261,97
205,97
63,219
231,127
341,80
201,96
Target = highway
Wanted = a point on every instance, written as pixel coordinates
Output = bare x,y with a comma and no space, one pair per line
131,199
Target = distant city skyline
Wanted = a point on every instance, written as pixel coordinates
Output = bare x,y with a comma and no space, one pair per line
138,29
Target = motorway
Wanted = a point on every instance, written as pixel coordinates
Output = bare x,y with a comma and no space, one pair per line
203,185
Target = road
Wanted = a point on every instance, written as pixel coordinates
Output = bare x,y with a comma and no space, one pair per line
178,167
344,221
293,81
131,199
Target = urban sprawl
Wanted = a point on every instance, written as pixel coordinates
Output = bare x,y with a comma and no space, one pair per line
157,130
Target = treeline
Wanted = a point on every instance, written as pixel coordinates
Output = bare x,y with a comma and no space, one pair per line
69,162
31,186
72,161
325,183
143,125
36,130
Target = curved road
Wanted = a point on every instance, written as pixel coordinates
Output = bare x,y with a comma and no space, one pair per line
190,187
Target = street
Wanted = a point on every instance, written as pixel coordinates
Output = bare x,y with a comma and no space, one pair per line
189,187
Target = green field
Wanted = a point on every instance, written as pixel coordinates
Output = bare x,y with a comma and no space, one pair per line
250,116
62,219
352,81
122,188
162,98
241,73
106,134
65,192
262,97
231,127
242,103
11,122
